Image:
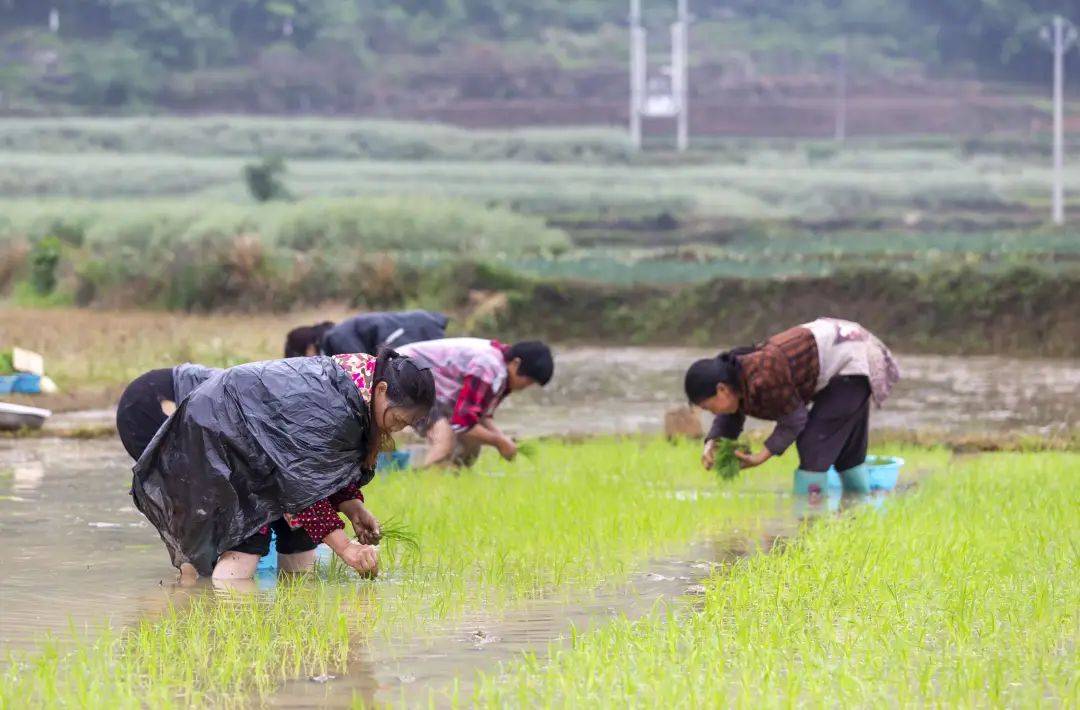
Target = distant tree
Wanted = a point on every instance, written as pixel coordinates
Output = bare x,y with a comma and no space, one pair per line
264,179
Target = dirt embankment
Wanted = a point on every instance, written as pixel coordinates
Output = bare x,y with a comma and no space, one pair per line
1022,311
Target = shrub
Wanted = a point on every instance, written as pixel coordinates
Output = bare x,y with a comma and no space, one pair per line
44,258
264,179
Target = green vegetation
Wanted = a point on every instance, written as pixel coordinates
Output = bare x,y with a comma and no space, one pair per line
571,519
866,185
311,139
726,463
330,55
264,179
962,593
276,255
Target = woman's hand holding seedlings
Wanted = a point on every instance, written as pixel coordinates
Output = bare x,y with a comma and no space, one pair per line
708,454
751,460
365,525
362,558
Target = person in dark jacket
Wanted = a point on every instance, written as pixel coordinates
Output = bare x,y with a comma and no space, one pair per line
366,333
224,456
816,381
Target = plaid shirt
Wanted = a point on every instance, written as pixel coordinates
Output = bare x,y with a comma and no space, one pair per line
470,378
778,380
780,375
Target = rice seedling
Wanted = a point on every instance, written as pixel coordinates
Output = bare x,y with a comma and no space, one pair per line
495,535
726,463
962,593
395,531
529,449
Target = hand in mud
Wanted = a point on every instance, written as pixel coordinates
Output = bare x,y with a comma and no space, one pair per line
365,525
708,454
362,558
508,449
747,460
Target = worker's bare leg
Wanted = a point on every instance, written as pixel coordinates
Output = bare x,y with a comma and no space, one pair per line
236,565
296,561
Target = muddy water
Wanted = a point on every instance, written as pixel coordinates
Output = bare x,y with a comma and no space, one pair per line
601,390
77,554
74,547
440,664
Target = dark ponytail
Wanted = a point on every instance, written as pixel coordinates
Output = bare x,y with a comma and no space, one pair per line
407,386
704,375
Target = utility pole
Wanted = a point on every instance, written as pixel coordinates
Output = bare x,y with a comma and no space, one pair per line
840,127
637,72
680,75
648,99
1060,35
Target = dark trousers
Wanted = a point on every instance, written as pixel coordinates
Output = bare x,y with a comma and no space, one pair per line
837,431
139,414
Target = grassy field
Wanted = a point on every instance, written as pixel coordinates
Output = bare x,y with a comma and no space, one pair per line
963,593
574,517
770,185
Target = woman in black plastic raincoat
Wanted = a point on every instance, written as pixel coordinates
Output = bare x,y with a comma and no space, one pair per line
281,444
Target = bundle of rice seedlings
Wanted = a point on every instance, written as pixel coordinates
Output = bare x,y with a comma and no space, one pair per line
725,462
528,449
395,530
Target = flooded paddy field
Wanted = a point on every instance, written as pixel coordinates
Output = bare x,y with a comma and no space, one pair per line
528,557
502,571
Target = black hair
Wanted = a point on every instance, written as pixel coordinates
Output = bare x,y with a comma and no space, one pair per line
300,339
407,386
537,361
704,375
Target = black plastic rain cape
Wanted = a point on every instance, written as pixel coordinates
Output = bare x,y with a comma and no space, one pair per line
246,445
369,332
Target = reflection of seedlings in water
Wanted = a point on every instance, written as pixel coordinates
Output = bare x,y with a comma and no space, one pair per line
324,678
695,589
406,678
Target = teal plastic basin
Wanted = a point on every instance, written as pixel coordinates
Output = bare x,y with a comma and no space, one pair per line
884,471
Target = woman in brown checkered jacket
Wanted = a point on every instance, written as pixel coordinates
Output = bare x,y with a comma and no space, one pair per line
815,381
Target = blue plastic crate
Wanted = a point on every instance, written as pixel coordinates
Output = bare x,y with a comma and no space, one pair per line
21,383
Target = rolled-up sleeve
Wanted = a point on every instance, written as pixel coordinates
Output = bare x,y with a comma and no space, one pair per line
319,520
788,428
727,426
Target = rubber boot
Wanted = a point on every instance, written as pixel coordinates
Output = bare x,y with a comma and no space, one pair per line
807,482
856,479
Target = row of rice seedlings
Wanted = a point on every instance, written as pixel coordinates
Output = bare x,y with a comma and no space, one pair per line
576,516
963,593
